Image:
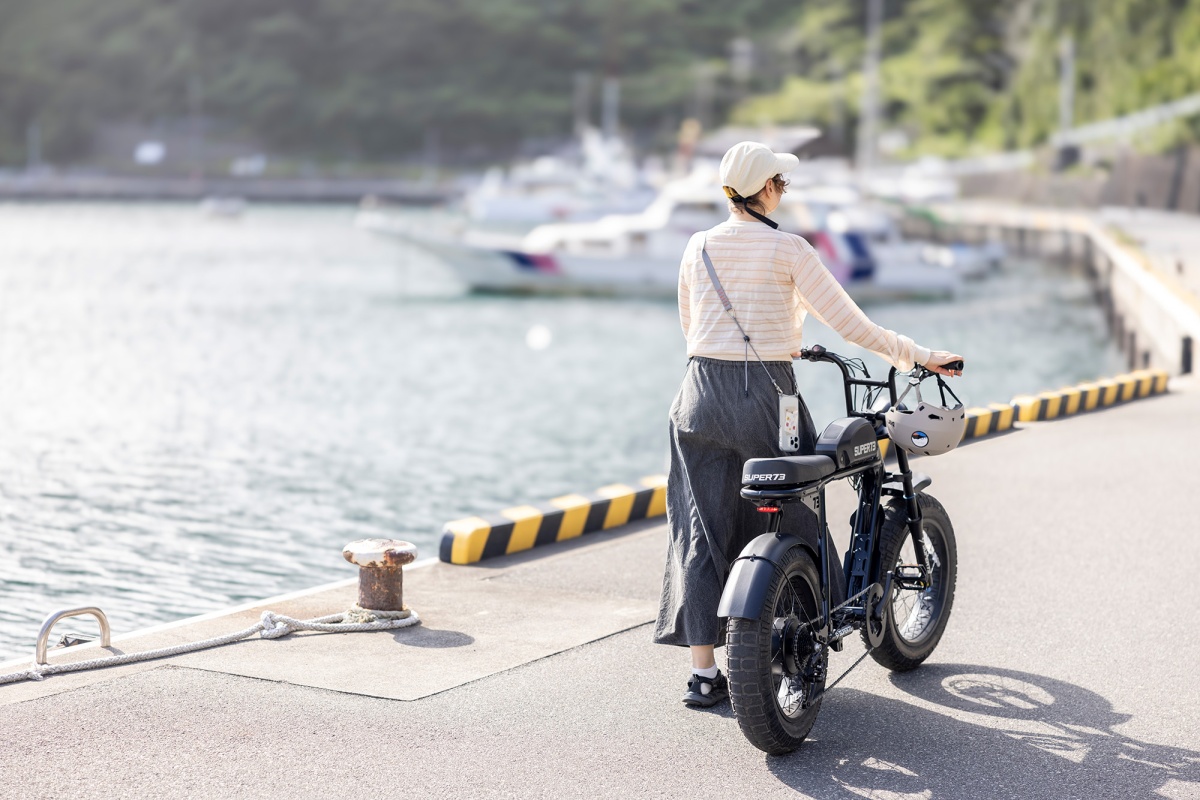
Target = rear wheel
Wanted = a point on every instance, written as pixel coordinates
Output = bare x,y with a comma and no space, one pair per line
776,666
914,619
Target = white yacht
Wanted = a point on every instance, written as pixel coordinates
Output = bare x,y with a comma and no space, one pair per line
883,235
638,254
603,180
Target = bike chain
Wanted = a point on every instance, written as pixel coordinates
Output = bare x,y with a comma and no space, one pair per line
838,607
808,701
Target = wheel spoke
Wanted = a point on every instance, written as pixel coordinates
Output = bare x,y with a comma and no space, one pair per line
921,596
790,699
913,609
795,606
793,626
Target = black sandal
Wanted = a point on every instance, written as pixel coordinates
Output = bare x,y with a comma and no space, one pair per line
718,690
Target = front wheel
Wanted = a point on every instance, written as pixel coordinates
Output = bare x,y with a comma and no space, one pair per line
776,666
914,619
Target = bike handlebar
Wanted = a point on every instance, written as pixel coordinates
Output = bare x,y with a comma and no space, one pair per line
819,353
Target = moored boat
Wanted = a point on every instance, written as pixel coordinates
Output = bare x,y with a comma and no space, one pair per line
638,254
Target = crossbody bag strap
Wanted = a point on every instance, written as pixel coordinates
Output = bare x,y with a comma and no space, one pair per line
716,282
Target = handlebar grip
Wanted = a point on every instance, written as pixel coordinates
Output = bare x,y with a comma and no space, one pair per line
813,353
955,366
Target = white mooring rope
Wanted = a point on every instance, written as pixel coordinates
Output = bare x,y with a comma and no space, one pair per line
271,626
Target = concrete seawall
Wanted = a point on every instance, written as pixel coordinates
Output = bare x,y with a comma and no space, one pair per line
278,190
1152,304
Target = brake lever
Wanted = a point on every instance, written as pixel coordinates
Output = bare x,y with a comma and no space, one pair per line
813,353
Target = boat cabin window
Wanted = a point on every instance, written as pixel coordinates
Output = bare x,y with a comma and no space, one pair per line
697,208
596,245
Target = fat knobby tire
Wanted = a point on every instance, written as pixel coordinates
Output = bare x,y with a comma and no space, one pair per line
894,652
748,649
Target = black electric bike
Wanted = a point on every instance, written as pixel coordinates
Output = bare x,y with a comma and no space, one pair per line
788,602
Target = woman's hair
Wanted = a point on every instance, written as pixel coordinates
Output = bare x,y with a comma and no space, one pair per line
755,201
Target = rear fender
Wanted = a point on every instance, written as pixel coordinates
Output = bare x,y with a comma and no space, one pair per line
746,588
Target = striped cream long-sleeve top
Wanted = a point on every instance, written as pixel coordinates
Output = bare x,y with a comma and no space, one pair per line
773,280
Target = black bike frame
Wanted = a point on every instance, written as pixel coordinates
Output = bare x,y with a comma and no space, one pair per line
818,353
862,563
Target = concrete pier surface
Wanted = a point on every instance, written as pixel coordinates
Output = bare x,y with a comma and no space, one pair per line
1068,669
1169,241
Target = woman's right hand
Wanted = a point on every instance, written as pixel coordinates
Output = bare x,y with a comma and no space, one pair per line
939,357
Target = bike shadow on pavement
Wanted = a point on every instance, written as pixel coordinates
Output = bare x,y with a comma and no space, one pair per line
966,731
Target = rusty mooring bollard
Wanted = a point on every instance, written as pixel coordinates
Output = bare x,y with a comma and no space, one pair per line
380,571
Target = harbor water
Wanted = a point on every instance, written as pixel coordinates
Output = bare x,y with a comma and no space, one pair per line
198,411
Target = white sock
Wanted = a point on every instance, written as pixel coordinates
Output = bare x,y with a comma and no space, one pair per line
708,672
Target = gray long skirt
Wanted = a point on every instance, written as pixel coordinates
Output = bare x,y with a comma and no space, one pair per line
715,428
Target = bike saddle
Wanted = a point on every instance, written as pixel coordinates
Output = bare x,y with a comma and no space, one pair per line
787,470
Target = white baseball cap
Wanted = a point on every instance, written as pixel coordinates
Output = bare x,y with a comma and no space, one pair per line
747,166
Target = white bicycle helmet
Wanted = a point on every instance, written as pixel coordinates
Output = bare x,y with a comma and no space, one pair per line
927,429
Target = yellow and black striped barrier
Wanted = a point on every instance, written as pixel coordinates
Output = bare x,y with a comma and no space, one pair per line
1089,396
466,541
469,540
992,418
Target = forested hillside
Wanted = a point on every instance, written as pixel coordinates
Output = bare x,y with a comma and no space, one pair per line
369,79
961,76
364,78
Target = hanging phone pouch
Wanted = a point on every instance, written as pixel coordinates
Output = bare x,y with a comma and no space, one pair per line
789,404
789,423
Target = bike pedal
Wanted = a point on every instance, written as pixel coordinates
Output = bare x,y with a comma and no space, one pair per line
910,576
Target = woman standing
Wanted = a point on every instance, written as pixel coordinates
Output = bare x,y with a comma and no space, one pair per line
727,410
